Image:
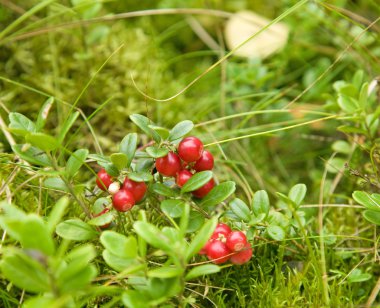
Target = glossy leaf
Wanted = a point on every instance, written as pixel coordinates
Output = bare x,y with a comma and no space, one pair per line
201,238
165,272
173,207
75,230
67,125
371,202
31,154
143,123
116,262
156,152
180,130
119,160
42,141
152,235
44,112
119,245
102,219
218,194
20,124
240,209
128,147
202,270
260,203
55,183
372,216
196,181
75,161
276,233
140,176
297,193
163,190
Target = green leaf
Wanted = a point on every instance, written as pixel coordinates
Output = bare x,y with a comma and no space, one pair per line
57,213
128,147
165,272
162,131
38,302
75,161
44,112
140,176
20,124
341,146
276,233
42,141
153,236
66,126
201,238
218,194
163,190
156,152
173,207
117,263
196,181
240,209
260,203
180,130
372,216
120,160
351,129
119,245
135,299
297,193
75,230
143,123
335,164
358,276
24,272
102,219
202,270
363,96
347,103
371,202
55,183
9,214
111,169
31,154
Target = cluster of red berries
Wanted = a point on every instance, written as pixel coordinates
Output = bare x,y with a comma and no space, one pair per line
125,197
226,244
191,158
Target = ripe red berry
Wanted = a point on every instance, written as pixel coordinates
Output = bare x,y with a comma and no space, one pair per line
123,200
106,210
242,256
138,189
204,249
204,190
103,180
236,241
218,252
221,230
190,149
206,162
168,165
182,177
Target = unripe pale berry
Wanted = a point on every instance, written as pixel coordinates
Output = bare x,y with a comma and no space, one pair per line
114,188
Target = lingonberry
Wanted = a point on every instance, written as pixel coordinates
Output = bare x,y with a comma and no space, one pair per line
138,189
103,179
182,177
190,149
218,252
123,200
106,210
204,190
168,165
236,240
204,249
242,256
221,231
206,162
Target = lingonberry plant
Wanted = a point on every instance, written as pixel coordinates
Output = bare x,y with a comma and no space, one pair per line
151,259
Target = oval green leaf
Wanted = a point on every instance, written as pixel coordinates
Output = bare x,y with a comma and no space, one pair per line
42,141
202,270
180,130
240,209
172,207
218,194
75,161
156,152
196,181
75,230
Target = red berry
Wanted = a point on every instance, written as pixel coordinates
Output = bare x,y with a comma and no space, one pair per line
190,149
138,189
123,200
206,162
204,190
236,241
242,256
182,177
106,210
204,249
218,252
103,180
221,230
168,165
